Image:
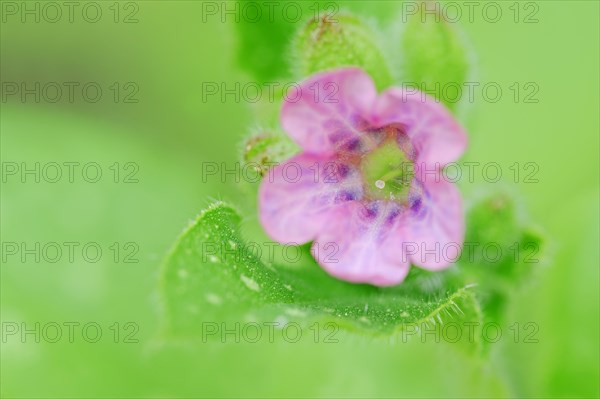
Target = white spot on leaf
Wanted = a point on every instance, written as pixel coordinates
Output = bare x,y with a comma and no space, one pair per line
214,299
250,283
295,312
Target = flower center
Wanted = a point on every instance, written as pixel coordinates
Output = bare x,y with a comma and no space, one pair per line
387,172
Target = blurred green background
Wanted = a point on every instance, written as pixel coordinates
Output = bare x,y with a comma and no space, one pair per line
170,131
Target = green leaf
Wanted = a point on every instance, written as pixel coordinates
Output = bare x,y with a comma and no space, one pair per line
212,275
435,59
504,251
337,41
262,42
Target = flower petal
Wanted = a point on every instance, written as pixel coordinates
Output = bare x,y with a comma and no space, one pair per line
436,228
434,133
363,244
295,196
326,111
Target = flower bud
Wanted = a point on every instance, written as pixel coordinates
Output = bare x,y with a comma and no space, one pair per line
264,149
336,41
435,60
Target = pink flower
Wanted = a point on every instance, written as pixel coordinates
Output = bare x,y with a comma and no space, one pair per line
367,188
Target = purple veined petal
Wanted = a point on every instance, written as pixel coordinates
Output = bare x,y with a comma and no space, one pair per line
434,133
328,110
338,119
295,196
363,244
436,226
